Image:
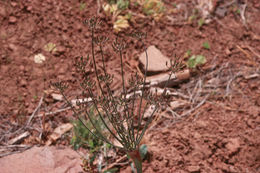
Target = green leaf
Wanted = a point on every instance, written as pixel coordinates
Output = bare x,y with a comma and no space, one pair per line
143,150
192,18
200,60
187,53
201,22
196,60
122,4
91,143
82,6
191,62
206,45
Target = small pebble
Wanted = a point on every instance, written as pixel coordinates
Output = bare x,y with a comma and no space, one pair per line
12,19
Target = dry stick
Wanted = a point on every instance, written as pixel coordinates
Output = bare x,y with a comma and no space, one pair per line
13,146
13,152
242,14
196,107
252,50
245,52
229,83
54,112
31,117
99,7
34,112
117,162
198,92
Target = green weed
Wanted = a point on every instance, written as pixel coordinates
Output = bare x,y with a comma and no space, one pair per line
82,137
109,113
82,6
196,60
206,45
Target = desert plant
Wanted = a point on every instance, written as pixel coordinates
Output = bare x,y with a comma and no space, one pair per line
206,45
117,11
82,137
116,112
196,60
155,8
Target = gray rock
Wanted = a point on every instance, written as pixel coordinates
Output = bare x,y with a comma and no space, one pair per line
156,60
42,160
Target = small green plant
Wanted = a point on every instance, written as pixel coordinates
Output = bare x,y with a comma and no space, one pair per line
82,6
206,45
154,8
117,11
201,22
187,54
35,97
50,47
115,112
196,60
122,4
82,137
193,16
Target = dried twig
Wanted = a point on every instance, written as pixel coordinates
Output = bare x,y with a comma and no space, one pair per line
196,107
230,82
54,112
253,51
99,7
35,111
245,52
116,163
19,138
242,14
21,149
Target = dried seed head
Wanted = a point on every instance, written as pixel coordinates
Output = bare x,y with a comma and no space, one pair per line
81,64
119,45
87,83
61,85
106,78
138,35
100,40
93,22
176,65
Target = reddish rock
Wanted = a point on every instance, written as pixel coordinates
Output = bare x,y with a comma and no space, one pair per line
156,60
193,169
42,160
12,19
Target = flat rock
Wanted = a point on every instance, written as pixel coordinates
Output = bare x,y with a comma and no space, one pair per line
156,60
42,160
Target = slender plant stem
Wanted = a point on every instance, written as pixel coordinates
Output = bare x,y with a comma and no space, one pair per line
139,112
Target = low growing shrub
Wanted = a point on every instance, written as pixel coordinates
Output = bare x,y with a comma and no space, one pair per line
115,113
